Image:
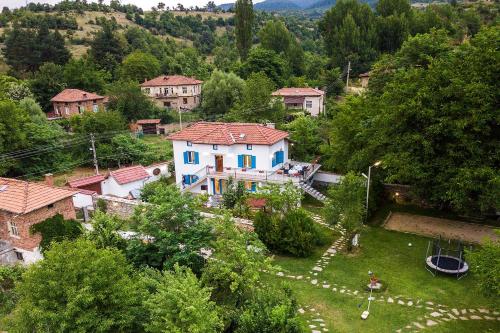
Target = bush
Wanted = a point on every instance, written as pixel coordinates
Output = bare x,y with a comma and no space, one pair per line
485,264
56,229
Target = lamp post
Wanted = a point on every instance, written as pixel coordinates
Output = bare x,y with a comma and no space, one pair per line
376,164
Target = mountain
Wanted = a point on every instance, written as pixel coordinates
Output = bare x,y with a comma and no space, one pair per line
322,4
277,5
289,5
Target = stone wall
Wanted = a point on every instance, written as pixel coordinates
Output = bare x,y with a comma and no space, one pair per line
123,208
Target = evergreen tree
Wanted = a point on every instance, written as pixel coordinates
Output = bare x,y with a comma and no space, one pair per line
47,82
107,49
244,18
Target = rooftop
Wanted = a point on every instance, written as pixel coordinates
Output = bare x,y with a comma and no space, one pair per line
298,92
148,121
85,181
21,197
75,95
130,174
170,80
229,134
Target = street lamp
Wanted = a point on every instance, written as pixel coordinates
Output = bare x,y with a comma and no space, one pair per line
376,164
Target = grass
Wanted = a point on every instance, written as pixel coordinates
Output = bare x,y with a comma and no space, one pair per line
402,270
159,143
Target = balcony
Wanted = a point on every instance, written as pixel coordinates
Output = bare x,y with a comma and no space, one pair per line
290,171
165,95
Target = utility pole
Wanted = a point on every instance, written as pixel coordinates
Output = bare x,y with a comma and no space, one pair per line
348,72
92,142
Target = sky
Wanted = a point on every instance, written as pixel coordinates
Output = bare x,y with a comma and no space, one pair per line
144,4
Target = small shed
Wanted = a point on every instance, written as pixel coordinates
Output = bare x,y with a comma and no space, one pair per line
150,126
364,78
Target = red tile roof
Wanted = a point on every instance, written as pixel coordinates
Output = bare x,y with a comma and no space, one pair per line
86,192
148,121
85,181
171,80
21,197
229,134
75,95
298,92
130,174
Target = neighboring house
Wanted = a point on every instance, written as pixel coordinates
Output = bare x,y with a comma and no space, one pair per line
92,183
121,182
174,92
23,204
364,78
150,126
207,154
74,101
308,99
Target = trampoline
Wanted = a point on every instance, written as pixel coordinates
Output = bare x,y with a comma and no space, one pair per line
446,258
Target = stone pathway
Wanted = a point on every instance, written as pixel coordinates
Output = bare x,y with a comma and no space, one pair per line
435,313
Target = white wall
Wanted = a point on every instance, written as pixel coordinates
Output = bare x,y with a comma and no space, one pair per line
30,257
81,200
317,105
192,90
163,171
263,154
111,187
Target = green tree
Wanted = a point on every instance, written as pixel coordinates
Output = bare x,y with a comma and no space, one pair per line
127,98
139,66
485,264
107,48
77,288
182,304
98,122
345,204
104,231
56,229
265,61
83,74
244,20
275,36
221,92
304,133
47,82
12,134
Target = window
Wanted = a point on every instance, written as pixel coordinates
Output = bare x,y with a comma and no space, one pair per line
185,100
184,90
191,157
50,206
166,104
309,104
95,107
13,229
215,147
189,143
147,91
156,171
249,147
19,255
251,186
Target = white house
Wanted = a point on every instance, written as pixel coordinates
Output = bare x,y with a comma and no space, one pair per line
174,91
207,154
307,99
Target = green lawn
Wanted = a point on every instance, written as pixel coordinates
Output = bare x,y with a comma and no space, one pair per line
401,268
159,143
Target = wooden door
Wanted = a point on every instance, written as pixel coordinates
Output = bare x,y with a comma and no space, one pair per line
219,163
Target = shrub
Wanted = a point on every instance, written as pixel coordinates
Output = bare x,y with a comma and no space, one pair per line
56,229
485,264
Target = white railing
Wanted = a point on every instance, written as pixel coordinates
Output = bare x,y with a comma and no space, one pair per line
278,176
201,174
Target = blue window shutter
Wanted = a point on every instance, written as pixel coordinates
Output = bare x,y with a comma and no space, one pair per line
254,162
240,161
196,158
195,178
220,186
281,156
254,186
213,186
187,179
185,157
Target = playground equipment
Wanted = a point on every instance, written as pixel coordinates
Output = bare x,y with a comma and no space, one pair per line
374,283
446,258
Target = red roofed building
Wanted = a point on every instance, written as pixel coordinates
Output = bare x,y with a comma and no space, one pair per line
121,182
91,183
70,102
23,204
207,154
174,91
308,99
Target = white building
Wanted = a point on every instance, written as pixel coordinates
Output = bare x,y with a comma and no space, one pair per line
174,91
308,99
207,154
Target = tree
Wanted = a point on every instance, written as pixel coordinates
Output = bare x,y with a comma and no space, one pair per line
281,198
139,66
12,134
345,204
304,133
221,92
98,122
244,19
104,233
265,61
350,34
127,98
78,287
83,74
332,80
47,82
50,46
275,36
107,48
56,229
485,265
182,304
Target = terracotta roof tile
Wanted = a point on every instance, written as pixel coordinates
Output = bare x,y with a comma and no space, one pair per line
298,92
75,95
21,197
148,121
171,80
229,134
85,181
130,174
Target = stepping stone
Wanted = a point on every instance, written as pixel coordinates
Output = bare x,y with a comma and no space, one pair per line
280,274
442,311
472,310
451,316
315,331
446,319
331,250
314,281
418,325
484,311
475,317
312,326
390,300
401,302
429,303
334,289
455,311
301,311
326,286
410,303
464,311
342,291
318,320
431,323
464,318
489,318
436,314
315,274
355,292
300,277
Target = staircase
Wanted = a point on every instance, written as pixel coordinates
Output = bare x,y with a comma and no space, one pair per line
312,192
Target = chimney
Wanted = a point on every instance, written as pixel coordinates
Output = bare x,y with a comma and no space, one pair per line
49,179
270,125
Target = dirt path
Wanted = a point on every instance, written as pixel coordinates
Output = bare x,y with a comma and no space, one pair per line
433,226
